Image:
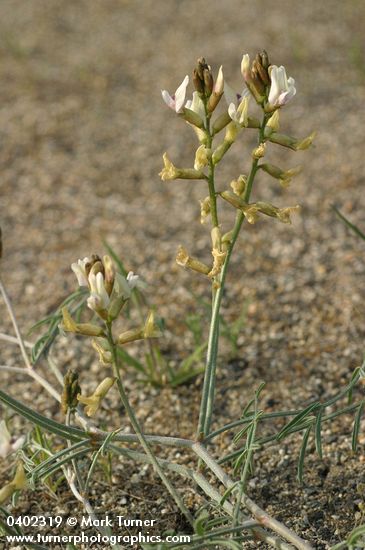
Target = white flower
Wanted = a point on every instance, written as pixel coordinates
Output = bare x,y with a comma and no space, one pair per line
196,105
6,444
282,88
79,269
132,280
176,101
238,110
99,298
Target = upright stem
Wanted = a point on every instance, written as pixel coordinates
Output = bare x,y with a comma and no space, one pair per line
139,433
208,393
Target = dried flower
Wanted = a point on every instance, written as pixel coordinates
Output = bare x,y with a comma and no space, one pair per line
305,143
170,172
259,152
284,176
149,330
93,401
184,260
176,101
102,348
204,209
239,185
71,389
19,482
202,157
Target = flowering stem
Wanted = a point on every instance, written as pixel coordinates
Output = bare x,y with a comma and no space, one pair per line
138,430
211,168
208,394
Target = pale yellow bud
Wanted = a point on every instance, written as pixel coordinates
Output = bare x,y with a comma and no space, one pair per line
130,336
202,157
239,185
226,240
216,237
231,132
93,401
245,65
273,122
151,330
259,152
204,209
109,274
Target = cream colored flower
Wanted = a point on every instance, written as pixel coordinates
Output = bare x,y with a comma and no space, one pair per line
93,401
176,101
282,89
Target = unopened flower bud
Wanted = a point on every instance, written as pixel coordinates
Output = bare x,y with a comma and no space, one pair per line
226,240
239,185
221,122
19,482
184,260
130,336
204,209
273,123
93,401
208,81
150,329
109,274
198,82
202,157
71,389
193,118
245,66
259,152
217,91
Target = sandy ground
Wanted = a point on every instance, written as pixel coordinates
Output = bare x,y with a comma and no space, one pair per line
82,132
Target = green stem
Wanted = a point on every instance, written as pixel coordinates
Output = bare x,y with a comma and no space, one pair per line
208,393
139,433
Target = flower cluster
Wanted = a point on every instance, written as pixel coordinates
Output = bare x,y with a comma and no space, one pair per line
271,89
107,287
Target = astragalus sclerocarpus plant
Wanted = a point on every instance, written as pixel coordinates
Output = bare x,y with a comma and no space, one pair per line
230,518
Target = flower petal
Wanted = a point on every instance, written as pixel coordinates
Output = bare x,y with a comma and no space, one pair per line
170,102
180,94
